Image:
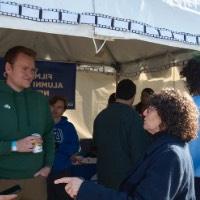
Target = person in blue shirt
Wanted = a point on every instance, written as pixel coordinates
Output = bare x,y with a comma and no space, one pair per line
192,74
165,172
66,142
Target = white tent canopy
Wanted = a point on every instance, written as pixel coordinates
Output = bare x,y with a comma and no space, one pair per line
131,35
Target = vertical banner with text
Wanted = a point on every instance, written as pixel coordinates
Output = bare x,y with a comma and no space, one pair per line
54,78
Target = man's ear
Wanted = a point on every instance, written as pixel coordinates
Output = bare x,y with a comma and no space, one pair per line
8,68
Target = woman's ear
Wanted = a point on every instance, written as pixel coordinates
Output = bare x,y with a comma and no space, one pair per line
162,126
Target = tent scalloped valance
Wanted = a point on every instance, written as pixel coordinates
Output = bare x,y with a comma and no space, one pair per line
39,14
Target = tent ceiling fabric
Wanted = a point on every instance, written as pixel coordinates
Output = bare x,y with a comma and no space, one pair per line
54,47
136,31
81,49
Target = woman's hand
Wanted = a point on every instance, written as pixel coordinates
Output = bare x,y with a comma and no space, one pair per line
72,185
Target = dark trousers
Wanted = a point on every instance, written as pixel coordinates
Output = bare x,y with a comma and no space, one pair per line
197,187
57,192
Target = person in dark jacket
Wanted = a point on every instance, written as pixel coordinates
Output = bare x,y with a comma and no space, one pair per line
119,137
165,172
66,142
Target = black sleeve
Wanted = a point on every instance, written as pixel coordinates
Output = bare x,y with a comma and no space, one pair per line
160,183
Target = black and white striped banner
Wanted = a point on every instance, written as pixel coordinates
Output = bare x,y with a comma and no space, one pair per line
35,13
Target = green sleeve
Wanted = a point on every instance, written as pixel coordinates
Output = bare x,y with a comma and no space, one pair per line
5,147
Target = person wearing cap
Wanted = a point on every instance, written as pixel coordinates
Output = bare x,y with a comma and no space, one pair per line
118,136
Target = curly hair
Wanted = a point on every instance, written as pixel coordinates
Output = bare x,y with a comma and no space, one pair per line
178,113
192,74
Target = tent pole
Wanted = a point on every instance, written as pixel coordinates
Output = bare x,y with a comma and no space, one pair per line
117,67
117,77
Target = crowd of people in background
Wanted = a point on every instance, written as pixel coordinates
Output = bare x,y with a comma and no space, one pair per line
147,151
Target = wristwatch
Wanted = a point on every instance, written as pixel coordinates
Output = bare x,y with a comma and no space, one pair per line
14,146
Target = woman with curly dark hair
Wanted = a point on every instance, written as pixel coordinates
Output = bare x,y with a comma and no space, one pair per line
192,74
165,172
